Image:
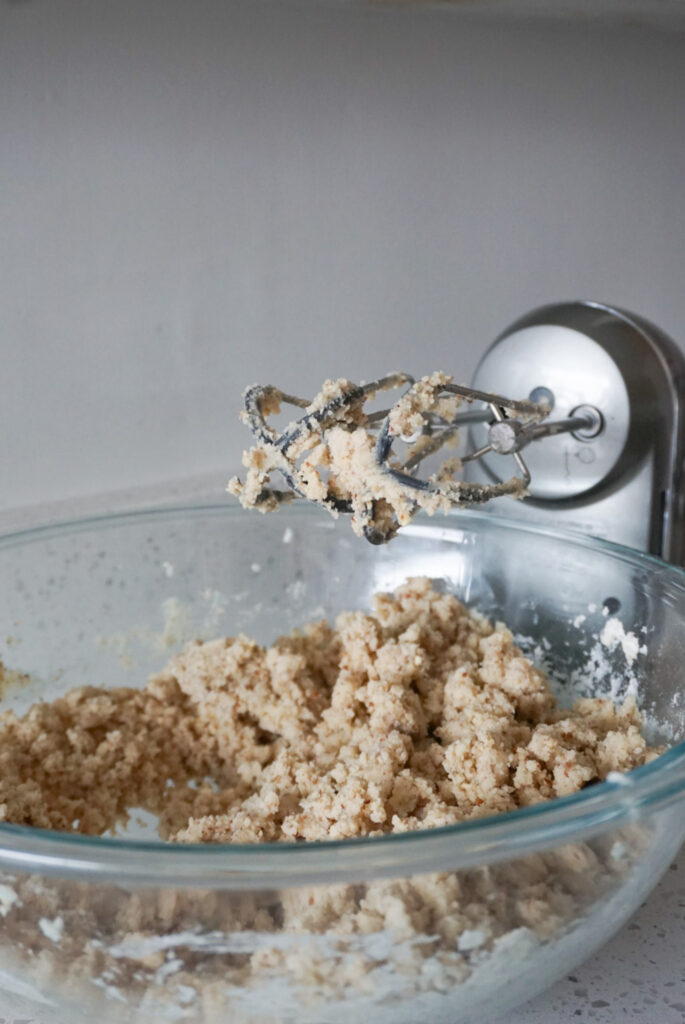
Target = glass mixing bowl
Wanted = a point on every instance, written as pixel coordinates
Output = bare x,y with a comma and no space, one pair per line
464,921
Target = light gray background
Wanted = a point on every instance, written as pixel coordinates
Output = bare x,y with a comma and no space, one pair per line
199,195
195,195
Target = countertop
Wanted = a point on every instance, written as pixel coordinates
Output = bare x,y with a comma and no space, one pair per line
639,976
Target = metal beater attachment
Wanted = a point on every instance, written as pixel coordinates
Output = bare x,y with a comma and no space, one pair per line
341,456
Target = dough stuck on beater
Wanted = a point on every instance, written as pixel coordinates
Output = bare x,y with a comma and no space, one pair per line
340,456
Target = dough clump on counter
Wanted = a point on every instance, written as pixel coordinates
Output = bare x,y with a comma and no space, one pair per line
417,715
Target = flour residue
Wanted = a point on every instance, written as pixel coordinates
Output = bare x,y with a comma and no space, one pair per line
181,623
614,635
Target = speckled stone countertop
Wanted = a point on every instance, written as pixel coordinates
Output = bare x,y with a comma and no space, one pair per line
639,976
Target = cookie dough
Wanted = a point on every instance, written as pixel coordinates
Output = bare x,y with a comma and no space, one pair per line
418,715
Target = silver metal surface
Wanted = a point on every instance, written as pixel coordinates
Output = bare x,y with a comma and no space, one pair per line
620,474
609,462
578,372
509,436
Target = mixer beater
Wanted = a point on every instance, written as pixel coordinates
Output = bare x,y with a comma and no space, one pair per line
428,409
610,462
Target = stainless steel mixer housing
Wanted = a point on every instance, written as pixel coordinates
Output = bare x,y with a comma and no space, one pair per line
624,482
597,403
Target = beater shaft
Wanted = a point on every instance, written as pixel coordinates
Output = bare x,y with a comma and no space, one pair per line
341,457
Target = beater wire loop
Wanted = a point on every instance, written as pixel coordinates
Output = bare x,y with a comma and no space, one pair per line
426,418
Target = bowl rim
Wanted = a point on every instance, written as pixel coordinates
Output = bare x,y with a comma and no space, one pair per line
614,802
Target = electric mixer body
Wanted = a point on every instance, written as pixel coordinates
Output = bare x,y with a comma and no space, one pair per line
624,484
599,411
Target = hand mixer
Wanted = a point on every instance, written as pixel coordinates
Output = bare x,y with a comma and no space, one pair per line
600,414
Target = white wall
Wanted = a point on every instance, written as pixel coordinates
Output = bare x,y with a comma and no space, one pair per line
197,195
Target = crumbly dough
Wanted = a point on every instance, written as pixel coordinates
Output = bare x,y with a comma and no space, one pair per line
333,460
420,714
